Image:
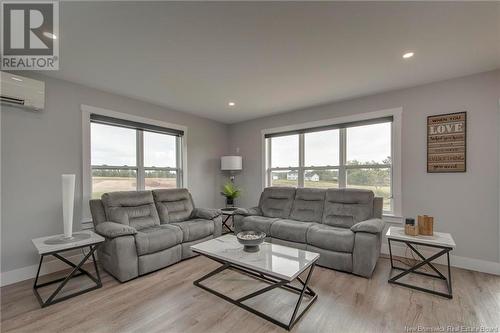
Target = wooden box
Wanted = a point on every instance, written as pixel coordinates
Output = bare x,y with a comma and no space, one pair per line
411,230
425,225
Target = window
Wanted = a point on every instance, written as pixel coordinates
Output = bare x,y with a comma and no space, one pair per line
285,161
129,156
350,155
160,161
368,160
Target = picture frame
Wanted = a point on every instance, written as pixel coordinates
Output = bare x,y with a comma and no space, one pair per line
447,143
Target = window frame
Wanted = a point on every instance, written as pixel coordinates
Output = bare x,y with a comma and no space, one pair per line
139,168
343,167
181,151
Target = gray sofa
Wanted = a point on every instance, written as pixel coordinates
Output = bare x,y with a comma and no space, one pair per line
343,225
149,230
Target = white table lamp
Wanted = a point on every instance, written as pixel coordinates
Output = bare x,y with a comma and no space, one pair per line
231,164
68,203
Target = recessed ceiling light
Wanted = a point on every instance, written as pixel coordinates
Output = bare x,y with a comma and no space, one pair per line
408,55
49,35
16,79
231,103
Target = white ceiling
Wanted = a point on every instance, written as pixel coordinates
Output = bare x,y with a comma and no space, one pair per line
271,57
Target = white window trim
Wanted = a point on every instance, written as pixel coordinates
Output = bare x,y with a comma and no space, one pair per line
396,113
498,124
87,110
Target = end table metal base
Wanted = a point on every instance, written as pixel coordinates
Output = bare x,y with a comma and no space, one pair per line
76,268
425,261
224,224
273,283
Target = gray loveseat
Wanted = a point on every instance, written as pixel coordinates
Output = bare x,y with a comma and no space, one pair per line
343,225
149,230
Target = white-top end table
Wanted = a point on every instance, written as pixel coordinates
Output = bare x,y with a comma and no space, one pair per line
440,240
46,247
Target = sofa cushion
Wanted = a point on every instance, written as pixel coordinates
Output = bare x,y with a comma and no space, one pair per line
195,229
174,205
157,238
134,208
308,205
331,238
277,201
341,261
256,223
345,207
290,230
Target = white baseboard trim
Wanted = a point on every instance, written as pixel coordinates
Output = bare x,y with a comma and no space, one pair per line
29,272
456,261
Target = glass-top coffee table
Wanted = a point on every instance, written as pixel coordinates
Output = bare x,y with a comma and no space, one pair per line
274,264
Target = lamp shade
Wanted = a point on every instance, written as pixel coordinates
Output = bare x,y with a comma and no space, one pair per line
231,163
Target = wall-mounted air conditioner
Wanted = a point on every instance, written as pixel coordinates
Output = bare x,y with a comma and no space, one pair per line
20,91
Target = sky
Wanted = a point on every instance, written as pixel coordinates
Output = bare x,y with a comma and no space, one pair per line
115,146
364,143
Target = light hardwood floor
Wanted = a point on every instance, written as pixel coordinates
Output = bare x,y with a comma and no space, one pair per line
167,301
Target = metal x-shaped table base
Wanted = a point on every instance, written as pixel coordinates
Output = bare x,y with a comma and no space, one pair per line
425,261
273,283
224,224
76,268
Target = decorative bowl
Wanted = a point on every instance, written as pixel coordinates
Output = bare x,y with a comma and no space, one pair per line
251,240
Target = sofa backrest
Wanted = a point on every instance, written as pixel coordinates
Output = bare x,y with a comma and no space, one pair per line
134,208
308,205
277,201
378,207
174,205
97,211
345,207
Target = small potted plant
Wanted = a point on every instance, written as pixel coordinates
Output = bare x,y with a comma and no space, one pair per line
231,192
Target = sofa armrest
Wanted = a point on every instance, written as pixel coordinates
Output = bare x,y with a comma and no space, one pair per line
248,211
206,213
373,226
113,229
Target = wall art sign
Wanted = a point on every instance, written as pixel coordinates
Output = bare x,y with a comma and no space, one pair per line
446,142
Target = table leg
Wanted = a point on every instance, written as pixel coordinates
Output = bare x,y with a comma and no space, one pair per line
224,224
390,253
449,273
273,283
76,268
294,318
428,262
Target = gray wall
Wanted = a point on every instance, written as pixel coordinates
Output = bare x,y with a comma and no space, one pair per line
36,148
464,204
